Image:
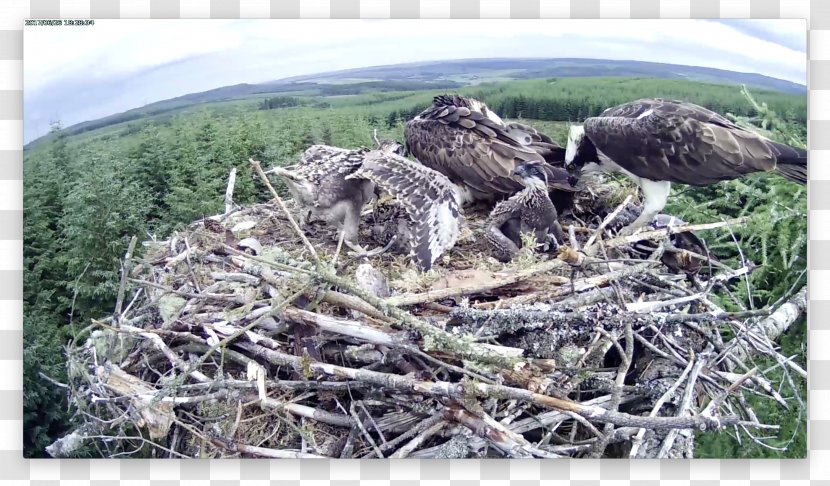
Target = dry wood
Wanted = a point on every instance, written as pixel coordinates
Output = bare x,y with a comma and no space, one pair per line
523,372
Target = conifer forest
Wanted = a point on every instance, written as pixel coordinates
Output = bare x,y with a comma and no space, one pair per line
96,193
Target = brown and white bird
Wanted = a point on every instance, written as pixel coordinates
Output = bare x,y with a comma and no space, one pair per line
430,201
463,139
528,211
656,142
320,186
335,184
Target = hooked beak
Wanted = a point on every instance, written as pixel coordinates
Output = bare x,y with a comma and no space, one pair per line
572,169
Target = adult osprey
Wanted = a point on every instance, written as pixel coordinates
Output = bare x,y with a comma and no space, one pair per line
528,211
656,142
335,183
463,139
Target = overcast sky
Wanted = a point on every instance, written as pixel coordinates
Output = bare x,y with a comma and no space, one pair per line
74,74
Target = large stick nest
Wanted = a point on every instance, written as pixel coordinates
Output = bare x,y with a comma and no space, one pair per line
229,340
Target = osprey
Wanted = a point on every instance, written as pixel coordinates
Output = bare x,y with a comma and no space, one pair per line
335,183
464,140
656,142
529,211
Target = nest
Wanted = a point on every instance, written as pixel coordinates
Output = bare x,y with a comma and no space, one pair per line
235,339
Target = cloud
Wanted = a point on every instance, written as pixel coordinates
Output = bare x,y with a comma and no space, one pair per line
122,64
788,33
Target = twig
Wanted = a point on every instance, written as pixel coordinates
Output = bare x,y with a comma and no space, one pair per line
458,391
638,439
233,446
122,286
308,245
608,219
229,191
365,432
626,357
684,404
427,423
418,440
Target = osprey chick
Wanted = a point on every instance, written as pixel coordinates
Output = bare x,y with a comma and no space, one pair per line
430,200
656,142
466,141
529,211
319,185
335,183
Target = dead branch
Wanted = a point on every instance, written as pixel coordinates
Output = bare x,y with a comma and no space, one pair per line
229,191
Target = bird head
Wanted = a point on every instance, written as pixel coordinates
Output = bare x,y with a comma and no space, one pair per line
579,150
532,174
392,147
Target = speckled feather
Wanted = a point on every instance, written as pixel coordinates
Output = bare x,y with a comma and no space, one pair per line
464,140
528,211
429,198
319,161
667,140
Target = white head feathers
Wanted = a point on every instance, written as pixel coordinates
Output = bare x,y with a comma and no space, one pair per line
575,136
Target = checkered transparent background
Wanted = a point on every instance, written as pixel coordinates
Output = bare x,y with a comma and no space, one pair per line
814,471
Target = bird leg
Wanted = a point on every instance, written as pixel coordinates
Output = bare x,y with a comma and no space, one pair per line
656,194
350,226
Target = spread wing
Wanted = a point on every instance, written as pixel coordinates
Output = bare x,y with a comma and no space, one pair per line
429,198
461,138
319,161
681,142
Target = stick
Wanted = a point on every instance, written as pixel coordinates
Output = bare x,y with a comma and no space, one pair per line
433,295
418,440
660,233
638,439
122,286
607,221
684,404
459,391
233,446
229,191
429,422
258,169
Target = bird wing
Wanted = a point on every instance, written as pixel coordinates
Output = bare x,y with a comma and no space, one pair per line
429,198
320,161
542,144
681,142
468,143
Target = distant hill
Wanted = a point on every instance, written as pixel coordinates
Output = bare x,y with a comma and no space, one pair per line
543,68
446,75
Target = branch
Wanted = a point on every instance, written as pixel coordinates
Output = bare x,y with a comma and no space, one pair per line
308,245
459,391
229,191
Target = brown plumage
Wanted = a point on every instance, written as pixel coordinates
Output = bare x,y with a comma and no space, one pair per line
466,141
320,187
335,183
656,142
429,200
528,211
677,259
